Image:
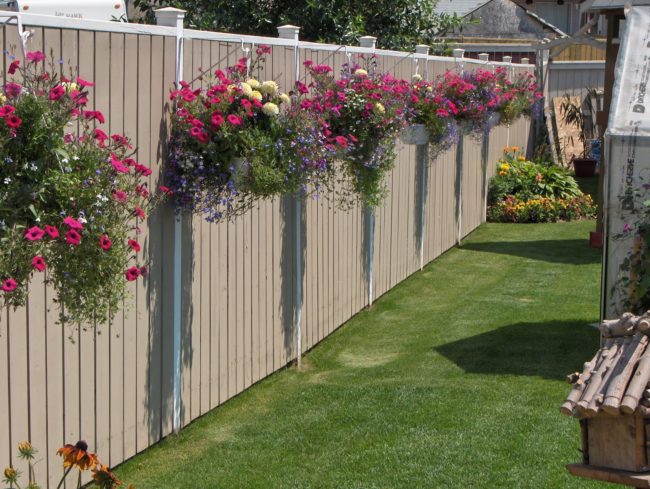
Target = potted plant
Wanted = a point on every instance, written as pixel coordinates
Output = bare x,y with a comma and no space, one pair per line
573,115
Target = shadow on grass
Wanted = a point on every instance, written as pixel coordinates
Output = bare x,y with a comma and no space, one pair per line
570,251
548,350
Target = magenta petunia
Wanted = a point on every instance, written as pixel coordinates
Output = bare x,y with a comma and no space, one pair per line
119,195
94,115
39,263
132,273
57,92
14,121
84,83
72,237
35,56
118,165
7,110
135,246
51,231
100,136
145,171
341,141
34,233
9,285
12,90
13,67
72,223
139,212
105,242
235,120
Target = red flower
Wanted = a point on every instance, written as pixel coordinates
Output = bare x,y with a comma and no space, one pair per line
83,83
132,273
105,242
216,121
13,121
145,171
72,237
6,110
142,191
100,136
57,92
72,223
9,285
118,165
39,263
34,233
12,89
166,190
135,246
140,213
120,140
51,231
341,141
35,56
13,67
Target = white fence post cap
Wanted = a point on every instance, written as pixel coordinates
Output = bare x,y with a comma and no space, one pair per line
525,61
422,49
484,56
507,59
459,53
288,32
367,41
169,16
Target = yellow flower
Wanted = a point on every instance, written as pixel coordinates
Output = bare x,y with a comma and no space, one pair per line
70,86
361,72
521,158
284,98
270,109
78,456
3,99
515,149
380,108
254,84
255,95
246,90
269,87
26,451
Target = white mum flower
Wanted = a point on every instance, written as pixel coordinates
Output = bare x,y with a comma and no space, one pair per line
269,87
416,78
246,89
270,109
285,98
256,95
254,84
361,72
380,108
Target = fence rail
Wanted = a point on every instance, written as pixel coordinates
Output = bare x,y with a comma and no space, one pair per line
113,385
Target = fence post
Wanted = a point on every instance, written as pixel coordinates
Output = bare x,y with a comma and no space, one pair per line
508,59
421,151
173,17
371,43
291,32
485,149
458,56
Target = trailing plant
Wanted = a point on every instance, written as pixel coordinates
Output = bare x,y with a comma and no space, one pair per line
75,456
71,205
363,111
518,97
239,139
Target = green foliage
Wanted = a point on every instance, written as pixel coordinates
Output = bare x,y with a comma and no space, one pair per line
398,24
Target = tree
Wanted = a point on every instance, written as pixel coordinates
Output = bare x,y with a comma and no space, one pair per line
398,24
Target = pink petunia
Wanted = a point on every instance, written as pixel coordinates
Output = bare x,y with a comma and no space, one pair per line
94,114
142,191
13,67
145,171
34,233
39,263
139,212
14,121
51,231
35,56
135,246
7,110
341,141
12,90
9,285
105,242
132,273
57,92
72,237
166,190
72,223
119,195
216,121
235,120
84,83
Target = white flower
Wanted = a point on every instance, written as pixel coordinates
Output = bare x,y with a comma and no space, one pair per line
34,167
246,89
3,99
38,219
284,98
270,109
254,84
256,95
70,86
82,220
361,72
269,87
64,160
380,108
416,78
7,181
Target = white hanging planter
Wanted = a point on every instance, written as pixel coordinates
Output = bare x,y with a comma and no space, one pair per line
415,134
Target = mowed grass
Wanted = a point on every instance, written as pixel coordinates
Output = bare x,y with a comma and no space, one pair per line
453,379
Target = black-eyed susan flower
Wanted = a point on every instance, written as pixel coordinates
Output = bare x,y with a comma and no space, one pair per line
77,455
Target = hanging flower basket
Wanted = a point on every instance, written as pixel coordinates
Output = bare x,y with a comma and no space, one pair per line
415,134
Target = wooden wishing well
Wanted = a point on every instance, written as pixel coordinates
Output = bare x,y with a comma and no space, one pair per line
611,398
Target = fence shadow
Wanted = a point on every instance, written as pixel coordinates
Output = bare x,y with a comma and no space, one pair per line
549,350
570,251
421,192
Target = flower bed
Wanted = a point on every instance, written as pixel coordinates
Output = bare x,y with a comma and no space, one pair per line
524,191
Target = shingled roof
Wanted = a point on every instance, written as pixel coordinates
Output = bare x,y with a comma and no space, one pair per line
615,381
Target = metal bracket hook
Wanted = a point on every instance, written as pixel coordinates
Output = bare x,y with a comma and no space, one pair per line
24,35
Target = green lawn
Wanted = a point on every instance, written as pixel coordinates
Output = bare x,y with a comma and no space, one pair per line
452,380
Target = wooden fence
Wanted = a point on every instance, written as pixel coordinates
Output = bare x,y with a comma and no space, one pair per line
113,385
